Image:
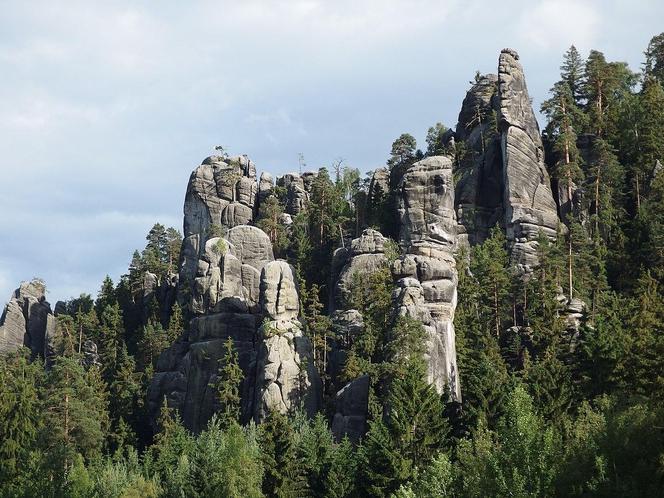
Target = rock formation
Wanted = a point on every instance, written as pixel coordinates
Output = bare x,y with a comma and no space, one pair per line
426,287
287,377
502,176
234,289
221,193
27,320
527,198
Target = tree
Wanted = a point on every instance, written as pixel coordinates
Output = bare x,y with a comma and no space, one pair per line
269,220
106,296
20,419
562,113
227,462
403,150
416,419
153,341
435,145
76,417
283,475
318,327
654,64
571,72
229,379
176,324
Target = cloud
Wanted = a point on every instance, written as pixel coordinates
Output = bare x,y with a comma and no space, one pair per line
557,24
108,106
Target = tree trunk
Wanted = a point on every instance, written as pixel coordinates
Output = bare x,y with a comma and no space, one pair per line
569,266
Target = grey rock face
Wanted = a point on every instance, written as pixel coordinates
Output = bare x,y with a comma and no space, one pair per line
527,197
426,204
478,194
426,275
221,192
352,405
27,320
286,374
187,371
364,256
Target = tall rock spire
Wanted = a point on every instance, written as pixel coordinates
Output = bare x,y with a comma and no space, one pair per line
528,202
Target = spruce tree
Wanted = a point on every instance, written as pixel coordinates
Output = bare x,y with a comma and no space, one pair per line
227,387
283,476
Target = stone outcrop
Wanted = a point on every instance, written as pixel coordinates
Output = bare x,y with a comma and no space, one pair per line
236,290
287,377
298,187
364,255
502,176
221,193
478,193
527,198
27,320
352,405
426,277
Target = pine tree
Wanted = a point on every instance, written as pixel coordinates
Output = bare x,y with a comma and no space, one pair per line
229,380
283,475
76,417
269,220
571,72
176,324
654,64
416,419
106,296
563,114
20,419
124,390
318,327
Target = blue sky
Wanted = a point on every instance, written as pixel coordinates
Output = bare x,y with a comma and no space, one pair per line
108,106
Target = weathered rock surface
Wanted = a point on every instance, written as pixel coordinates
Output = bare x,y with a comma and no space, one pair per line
221,192
27,320
286,376
352,405
527,198
426,274
364,256
187,371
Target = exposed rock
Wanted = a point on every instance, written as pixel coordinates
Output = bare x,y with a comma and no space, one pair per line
187,371
265,186
27,320
527,198
352,405
347,325
379,187
426,205
426,275
365,255
221,192
478,193
286,375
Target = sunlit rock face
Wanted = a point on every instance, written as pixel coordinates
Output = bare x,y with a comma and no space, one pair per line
426,277
234,289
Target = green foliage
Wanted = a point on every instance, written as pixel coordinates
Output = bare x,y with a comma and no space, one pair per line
227,387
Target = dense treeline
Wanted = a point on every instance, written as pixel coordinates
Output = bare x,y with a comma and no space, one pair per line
551,407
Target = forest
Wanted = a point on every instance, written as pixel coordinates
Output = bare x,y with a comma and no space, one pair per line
545,409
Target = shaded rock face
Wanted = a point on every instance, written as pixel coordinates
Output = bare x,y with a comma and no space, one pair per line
352,405
27,320
502,177
235,289
478,194
426,277
364,256
298,187
287,377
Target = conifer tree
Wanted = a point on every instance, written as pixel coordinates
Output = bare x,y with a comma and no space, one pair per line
571,72
229,380
283,475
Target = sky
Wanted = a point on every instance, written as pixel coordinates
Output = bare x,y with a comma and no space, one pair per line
107,107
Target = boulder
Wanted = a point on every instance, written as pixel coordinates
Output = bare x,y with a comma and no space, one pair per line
352,406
